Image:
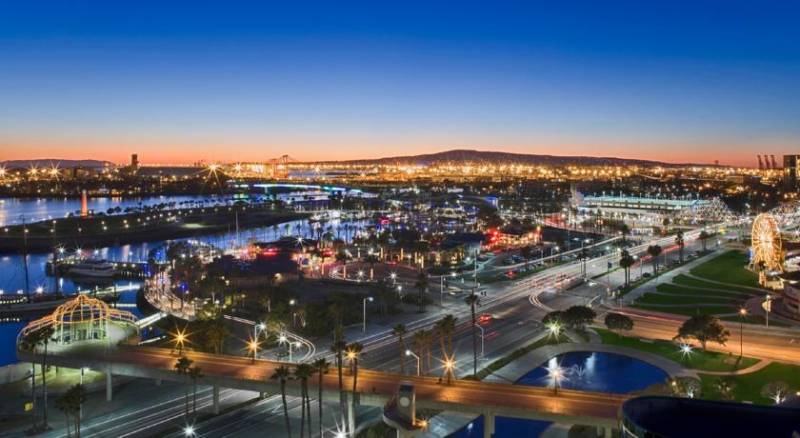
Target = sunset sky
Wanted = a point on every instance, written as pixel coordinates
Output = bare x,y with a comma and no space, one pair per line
689,81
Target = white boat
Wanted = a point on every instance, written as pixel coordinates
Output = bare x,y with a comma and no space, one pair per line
92,268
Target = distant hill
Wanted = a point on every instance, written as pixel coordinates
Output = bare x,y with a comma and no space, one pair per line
467,155
50,162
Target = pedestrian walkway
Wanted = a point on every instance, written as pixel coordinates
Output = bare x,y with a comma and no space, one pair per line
751,369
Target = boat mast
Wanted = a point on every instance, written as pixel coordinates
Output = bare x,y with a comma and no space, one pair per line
25,258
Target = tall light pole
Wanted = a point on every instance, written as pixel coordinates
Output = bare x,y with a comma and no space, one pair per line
364,323
482,337
411,353
258,327
742,314
253,347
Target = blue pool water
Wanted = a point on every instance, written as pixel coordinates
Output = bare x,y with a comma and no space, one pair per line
601,372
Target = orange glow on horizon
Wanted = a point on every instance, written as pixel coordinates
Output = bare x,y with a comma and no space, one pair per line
187,151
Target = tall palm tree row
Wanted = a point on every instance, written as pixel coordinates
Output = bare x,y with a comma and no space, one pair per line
423,339
626,261
70,404
446,328
282,375
654,251
194,373
303,372
30,342
337,348
680,242
353,352
182,367
321,366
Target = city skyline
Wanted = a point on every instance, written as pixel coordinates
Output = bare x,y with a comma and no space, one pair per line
675,83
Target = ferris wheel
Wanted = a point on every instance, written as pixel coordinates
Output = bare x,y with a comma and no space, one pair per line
766,243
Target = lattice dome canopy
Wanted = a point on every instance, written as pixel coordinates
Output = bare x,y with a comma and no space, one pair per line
82,318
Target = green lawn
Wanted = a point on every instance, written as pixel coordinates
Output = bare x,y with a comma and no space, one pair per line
676,289
690,311
729,267
699,360
749,386
651,298
683,280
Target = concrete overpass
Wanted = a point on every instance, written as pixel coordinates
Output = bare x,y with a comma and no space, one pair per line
375,388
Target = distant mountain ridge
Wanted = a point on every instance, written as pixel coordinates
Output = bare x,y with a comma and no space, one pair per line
60,163
468,155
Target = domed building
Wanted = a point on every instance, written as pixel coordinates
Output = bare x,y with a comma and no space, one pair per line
82,319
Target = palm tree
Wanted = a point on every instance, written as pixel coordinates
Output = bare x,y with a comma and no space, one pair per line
194,373
322,366
215,334
445,328
303,372
624,229
400,330
704,235
45,334
282,374
70,404
626,261
654,251
353,350
31,341
421,285
472,300
182,366
337,348
680,242
422,343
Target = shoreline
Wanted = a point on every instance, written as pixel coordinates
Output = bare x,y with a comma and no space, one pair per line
95,234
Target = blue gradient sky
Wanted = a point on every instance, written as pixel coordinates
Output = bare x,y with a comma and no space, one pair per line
681,81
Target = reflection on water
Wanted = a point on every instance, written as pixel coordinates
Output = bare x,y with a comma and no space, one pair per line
590,371
12,210
12,272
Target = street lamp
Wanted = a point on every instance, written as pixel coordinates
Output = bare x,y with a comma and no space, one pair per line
556,374
482,337
554,328
449,365
252,345
188,431
80,408
258,327
364,323
180,339
411,353
742,314
686,350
